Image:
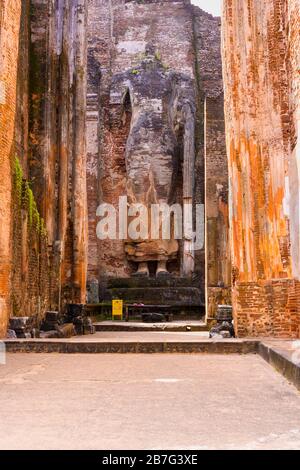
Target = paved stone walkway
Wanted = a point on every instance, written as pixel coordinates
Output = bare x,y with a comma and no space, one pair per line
142,336
106,401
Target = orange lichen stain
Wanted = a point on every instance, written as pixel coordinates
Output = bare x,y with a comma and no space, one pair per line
258,224
270,206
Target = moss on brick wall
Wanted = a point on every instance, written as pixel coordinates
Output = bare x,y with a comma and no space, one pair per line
31,261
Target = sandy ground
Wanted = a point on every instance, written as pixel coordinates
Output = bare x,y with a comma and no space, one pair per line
146,402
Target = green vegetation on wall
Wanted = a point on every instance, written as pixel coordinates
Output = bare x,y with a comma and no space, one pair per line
26,199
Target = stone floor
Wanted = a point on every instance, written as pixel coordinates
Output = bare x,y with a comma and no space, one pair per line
144,336
90,401
174,326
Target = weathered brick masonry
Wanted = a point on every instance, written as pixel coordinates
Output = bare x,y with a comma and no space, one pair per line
42,151
57,139
30,277
10,13
261,75
62,151
58,51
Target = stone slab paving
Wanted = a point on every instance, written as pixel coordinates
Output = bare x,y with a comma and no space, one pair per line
194,325
143,336
135,342
90,401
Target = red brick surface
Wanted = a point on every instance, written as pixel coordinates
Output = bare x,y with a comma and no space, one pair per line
261,73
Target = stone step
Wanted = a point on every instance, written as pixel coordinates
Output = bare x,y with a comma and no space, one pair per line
151,327
85,346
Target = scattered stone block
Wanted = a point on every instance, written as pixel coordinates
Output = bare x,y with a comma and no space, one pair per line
52,316
49,334
11,334
51,321
22,326
88,327
16,323
66,331
224,327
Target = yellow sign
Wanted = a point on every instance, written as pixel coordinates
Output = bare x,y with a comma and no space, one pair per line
117,309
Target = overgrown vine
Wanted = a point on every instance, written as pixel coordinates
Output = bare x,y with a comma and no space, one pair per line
26,199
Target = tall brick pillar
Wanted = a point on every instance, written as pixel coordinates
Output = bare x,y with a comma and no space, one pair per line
261,79
10,12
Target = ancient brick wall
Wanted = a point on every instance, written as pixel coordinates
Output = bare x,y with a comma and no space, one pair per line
58,140
294,95
207,30
9,45
261,73
42,135
21,131
31,272
27,266
218,260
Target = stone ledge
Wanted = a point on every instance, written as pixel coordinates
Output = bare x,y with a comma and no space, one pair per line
173,296
138,326
144,283
134,347
282,361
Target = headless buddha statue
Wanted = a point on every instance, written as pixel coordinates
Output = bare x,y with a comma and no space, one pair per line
161,107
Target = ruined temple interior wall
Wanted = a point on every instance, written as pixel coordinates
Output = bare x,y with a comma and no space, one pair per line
187,40
42,135
47,84
21,130
57,138
30,276
207,31
9,45
167,25
294,167
260,108
218,260
24,259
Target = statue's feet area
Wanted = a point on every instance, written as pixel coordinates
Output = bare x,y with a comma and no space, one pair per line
143,270
141,274
163,274
162,271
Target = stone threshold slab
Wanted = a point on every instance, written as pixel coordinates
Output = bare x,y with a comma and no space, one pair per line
139,326
134,347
